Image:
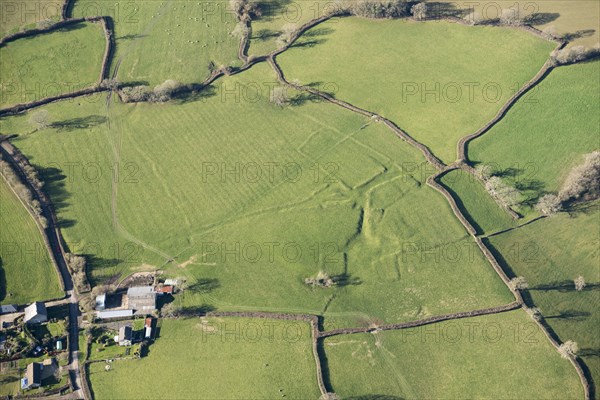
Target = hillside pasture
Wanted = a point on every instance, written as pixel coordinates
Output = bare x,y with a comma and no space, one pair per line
26,271
545,134
550,254
456,78
208,358
160,40
336,192
47,65
482,357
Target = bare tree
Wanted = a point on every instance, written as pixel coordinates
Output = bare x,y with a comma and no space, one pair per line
568,349
279,96
510,17
419,11
579,283
504,193
45,23
166,90
40,119
241,30
583,181
519,283
549,204
287,33
574,54
474,18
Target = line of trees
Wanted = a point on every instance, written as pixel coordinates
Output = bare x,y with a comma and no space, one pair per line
582,184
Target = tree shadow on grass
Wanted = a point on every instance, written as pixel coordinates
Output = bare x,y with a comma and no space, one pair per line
3,285
571,315
564,286
79,123
204,286
345,279
195,92
375,397
540,18
195,311
264,34
439,10
589,353
55,188
303,98
569,37
271,9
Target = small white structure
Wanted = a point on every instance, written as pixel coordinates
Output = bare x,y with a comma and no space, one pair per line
171,282
36,313
114,314
101,302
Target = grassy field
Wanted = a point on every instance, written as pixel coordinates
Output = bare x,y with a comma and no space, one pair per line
437,95
172,39
247,243
483,357
225,358
550,253
545,134
50,64
576,20
26,272
479,207
25,14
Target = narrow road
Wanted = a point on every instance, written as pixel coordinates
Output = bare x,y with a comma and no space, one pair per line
53,234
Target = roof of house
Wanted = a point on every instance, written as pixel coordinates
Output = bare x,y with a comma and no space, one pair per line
114,314
101,298
8,308
33,374
140,291
35,309
125,333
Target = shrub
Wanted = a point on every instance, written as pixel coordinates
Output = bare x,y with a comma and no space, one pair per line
135,94
166,90
534,313
45,24
583,182
322,279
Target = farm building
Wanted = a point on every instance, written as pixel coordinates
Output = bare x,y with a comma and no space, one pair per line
33,376
8,309
35,313
164,290
114,314
141,299
125,336
148,328
101,302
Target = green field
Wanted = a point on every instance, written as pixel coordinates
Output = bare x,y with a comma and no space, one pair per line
26,271
160,40
25,14
437,95
479,207
208,358
47,65
356,197
541,138
550,253
483,357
